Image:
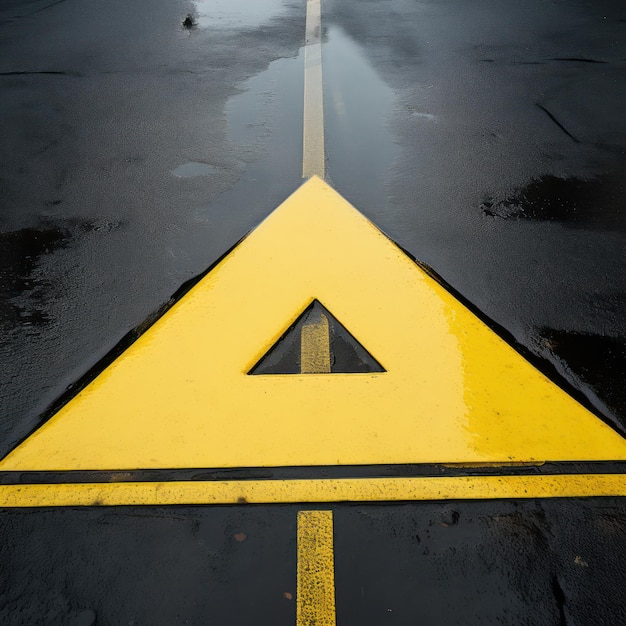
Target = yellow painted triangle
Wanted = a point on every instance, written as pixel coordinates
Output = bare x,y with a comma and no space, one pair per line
452,392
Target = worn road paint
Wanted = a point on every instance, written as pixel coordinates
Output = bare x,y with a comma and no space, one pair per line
315,347
316,569
314,490
313,157
453,392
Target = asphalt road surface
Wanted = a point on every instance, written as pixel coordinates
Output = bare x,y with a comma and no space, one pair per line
140,141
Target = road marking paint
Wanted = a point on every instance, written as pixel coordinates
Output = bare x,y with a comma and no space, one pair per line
315,347
315,490
316,569
453,391
313,158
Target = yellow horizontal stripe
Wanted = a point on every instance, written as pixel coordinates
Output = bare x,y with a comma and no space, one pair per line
314,490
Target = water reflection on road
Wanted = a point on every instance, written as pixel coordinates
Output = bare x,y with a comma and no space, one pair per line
236,13
358,106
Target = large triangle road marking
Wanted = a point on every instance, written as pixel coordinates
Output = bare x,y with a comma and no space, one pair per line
452,390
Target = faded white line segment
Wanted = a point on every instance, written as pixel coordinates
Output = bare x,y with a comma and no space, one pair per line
313,135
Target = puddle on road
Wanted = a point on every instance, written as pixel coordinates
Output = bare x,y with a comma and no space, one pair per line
23,291
598,203
358,107
192,169
236,13
267,114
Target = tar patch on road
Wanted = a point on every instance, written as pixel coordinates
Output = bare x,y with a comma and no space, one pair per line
548,562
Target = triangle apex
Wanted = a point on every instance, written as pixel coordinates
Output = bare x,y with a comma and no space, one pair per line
317,181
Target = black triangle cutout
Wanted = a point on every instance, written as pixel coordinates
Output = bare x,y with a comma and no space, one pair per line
347,355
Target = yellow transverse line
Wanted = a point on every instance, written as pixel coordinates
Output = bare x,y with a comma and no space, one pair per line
313,133
315,601
314,490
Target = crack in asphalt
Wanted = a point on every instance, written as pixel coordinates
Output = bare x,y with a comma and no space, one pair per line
558,123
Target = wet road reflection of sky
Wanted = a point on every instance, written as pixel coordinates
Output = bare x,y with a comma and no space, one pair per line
236,13
358,107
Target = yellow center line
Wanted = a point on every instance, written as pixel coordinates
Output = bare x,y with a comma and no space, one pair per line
313,132
315,347
316,569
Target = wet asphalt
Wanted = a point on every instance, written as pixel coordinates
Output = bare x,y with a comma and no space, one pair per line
551,563
139,141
